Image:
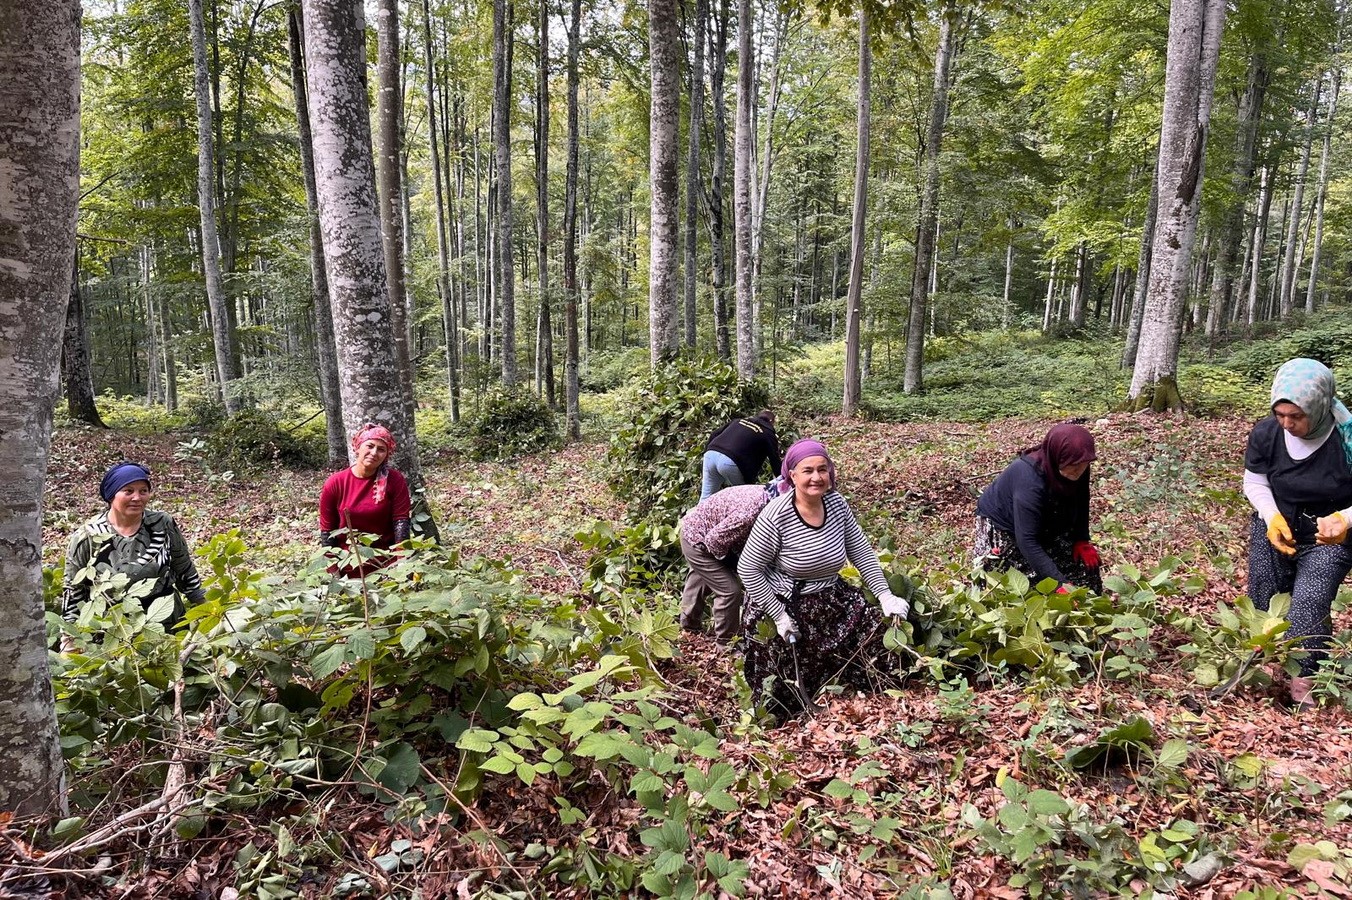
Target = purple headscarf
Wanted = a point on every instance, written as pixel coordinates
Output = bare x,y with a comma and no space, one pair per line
801,450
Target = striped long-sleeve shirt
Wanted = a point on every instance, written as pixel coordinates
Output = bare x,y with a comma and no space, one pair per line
783,549
157,552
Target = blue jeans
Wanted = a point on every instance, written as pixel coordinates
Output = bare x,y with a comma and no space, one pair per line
719,472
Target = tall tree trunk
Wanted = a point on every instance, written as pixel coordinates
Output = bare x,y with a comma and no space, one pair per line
571,387
368,373
1138,293
75,363
854,298
1231,234
448,308
1291,261
389,115
222,334
718,66
1321,191
1259,239
544,357
663,127
1190,75
766,161
504,282
927,228
40,162
1079,289
325,350
692,170
741,194
1009,279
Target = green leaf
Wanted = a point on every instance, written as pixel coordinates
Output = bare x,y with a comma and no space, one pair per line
1173,754
161,609
401,768
327,661
839,789
1046,803
477,740
362,643
412,637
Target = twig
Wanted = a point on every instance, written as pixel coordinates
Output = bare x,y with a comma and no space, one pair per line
474,817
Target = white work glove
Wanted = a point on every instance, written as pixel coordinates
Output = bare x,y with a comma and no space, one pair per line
786,627
893,605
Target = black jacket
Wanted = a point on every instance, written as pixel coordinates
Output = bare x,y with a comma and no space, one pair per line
1020,503
749,442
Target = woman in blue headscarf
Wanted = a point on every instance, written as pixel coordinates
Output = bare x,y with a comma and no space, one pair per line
1298,477
128,539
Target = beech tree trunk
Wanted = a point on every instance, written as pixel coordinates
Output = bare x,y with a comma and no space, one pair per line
1258,241
544,340
766,163
389,115
39,190
504,269
368,374
741,194
718,66
325,351
663,126
927,228
1321,190
218,305
75,363
854,297
692,170
1190,75
1138,293
571,387
1291,261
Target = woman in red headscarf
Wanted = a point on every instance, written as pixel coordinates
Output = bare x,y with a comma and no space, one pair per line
369,496
1035,517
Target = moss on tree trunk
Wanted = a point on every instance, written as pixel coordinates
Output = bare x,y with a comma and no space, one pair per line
1161,396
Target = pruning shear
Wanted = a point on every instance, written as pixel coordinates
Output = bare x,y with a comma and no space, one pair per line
796,684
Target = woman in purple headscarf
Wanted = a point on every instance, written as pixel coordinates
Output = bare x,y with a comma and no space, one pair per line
129,539
1035,517
790,568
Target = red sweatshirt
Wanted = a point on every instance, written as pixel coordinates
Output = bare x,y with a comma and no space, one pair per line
347,501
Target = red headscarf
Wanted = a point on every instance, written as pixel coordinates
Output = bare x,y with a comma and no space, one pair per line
1064,445
373,432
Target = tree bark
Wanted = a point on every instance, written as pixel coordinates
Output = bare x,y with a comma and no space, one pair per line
1321,190
854,298
663,126
75,363
1290,261
1190,73
504,270
544,356
389,115
571,387
692,172
369,381
766,162
1133,340
741,194
218,305
325,351
927,227
1258,241
39,190
718,65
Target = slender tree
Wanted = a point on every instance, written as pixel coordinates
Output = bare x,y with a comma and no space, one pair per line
664,124
75,365
1321,191
544,332
741,193
503,31
1291,261
714,201
854,298
448,307
927,229
692,170
222,330
344,180
39,187
389,119
1190,75
571,388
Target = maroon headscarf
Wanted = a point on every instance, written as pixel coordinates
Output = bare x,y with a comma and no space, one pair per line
1064,445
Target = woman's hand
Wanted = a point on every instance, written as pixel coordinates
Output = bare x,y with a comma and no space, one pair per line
787,628
893,605
1332,529
1279,535
1086,554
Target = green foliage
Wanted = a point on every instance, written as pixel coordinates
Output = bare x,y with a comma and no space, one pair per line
654,458
252,437
1240,636
1327,338
134,415
511,422
643,557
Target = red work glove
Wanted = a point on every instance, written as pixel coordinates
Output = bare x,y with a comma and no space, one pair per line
1085,553
1063,590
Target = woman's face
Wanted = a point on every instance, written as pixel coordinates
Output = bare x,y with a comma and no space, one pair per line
1292,418
130,502
812,476
1074,471
371,454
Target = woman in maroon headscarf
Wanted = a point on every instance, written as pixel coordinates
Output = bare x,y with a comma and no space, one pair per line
369,496
1035,517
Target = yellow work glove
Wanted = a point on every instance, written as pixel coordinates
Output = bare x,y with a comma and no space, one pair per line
1279,535
1332,529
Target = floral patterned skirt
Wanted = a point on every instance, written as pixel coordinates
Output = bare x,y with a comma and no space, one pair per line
995,550
840,640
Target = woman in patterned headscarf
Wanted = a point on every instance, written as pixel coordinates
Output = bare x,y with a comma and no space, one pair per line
369,496
128,539
1298,477
1035,516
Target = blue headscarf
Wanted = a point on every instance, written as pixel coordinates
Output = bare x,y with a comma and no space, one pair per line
1309,384
119,476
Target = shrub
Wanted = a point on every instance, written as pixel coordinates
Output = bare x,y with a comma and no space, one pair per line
252,437
655,455
512,421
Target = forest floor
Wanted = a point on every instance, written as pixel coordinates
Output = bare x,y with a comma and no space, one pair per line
1256,783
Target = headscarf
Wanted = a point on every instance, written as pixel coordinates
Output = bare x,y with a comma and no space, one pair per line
801,450
373,432
1309,384
119,476
1064,445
